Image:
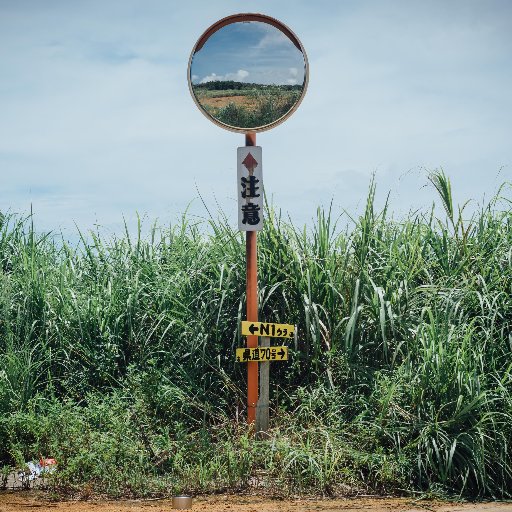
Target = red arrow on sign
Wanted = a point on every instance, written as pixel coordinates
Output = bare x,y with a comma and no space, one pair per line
250,163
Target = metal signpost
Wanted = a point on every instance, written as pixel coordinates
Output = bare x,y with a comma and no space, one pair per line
250,96
251,258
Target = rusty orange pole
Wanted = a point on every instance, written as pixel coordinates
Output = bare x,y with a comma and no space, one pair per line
251,252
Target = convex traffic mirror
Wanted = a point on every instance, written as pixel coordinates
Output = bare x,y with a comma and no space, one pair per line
248,72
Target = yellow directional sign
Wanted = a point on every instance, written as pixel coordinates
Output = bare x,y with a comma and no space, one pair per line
264,329
244,355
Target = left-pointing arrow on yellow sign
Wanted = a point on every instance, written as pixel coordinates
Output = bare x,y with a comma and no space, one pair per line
266,329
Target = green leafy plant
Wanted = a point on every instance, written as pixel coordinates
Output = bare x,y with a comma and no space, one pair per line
116,354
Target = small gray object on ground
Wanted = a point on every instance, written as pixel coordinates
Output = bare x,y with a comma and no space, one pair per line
182,502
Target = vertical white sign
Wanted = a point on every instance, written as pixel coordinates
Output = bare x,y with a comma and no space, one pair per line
250,188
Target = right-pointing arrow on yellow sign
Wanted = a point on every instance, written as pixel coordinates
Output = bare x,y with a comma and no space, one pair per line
261,354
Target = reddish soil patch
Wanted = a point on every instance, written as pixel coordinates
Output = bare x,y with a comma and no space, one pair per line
222,101
18,501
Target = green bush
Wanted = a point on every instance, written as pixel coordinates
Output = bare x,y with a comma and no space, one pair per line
117,355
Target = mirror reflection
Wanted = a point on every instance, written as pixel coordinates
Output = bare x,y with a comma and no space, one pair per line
248,75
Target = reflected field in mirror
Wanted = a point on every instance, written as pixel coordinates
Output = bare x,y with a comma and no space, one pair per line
248,75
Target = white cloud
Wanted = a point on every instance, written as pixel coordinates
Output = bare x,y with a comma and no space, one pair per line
239,76
268,76
211,78
272,38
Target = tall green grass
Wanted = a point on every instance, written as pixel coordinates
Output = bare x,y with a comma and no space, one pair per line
400,379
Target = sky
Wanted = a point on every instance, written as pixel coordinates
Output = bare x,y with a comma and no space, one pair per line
97,124
253,52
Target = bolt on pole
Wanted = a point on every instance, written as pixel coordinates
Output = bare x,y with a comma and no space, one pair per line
252,308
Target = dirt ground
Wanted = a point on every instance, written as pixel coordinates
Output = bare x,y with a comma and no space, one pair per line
11,501
222,101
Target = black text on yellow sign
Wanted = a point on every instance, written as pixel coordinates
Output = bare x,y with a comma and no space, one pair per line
264,329
244,355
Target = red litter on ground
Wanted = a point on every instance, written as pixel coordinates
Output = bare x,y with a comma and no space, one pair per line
47,462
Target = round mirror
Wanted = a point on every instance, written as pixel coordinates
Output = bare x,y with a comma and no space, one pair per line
248,72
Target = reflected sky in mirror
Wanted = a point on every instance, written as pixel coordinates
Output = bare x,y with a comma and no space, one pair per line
249,52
